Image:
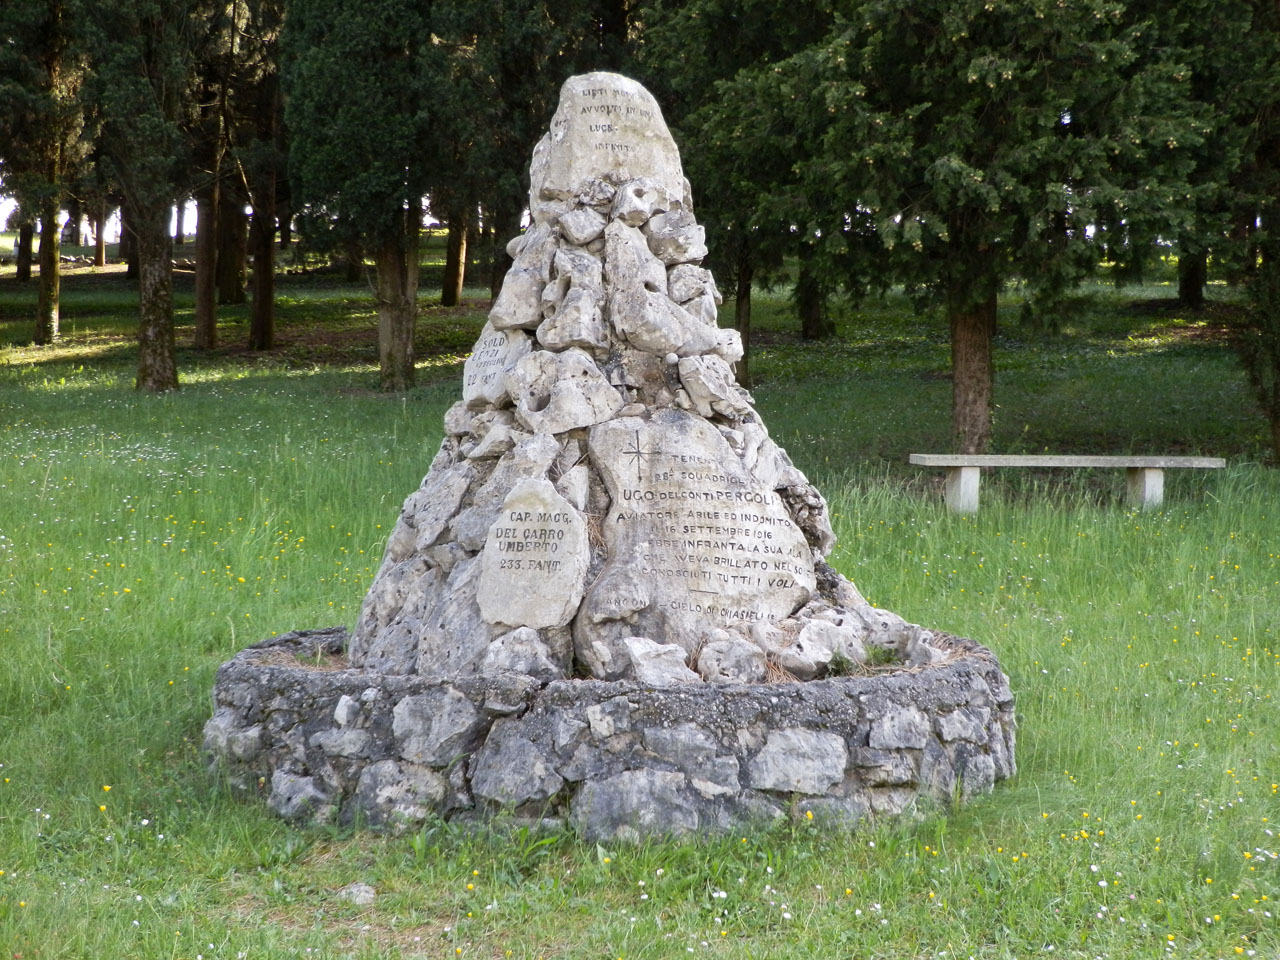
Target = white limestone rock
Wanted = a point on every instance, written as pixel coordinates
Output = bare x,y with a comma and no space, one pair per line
808,655
427,511
731,659
581,225
575,486
629,265
557,392
521,651
457,419
728,344
576,321
641,199
843,638
657,664
535,559
704,308
691,541
529,458
687,281
581,268
519,302
712,389
495,353
796,760
675,237
606,127
359,894
497,440
538,253
652,322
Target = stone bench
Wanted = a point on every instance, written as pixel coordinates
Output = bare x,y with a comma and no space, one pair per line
1145,474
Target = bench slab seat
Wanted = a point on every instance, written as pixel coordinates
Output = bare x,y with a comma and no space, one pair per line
1145,473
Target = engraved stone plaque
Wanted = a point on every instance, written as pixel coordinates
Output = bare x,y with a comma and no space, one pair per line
711,546
605,126
534,560
495,352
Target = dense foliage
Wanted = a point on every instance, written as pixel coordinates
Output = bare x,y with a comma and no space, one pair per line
846,145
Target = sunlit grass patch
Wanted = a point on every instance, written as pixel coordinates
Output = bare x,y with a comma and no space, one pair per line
143,540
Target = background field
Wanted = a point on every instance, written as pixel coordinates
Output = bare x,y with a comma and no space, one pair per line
143,540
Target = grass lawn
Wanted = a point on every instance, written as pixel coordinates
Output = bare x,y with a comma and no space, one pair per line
144,540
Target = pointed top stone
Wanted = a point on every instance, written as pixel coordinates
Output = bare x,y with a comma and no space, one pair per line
607,127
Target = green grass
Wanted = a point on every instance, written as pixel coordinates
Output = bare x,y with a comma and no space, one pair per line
144,540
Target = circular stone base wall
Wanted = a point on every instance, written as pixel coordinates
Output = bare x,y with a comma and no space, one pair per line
614,759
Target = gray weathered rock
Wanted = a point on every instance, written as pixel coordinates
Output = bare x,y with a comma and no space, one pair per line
606,126
691,542
656,664
558,392
361,894
582,225
796,760
436,727
496,352
295,797
635,803
731,659
675,237
535,559
396,794
619,759
522,651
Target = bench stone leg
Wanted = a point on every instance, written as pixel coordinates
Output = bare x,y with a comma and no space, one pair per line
962,489
1146,487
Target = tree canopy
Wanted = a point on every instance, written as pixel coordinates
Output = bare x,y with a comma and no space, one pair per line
947,146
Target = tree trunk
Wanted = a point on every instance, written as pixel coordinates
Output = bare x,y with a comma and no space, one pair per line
455,260
206,333
742,320
1193,273
180,223
811,302
232,241
262,333
71,235
26,243
352,261
972,316
157,363
100,235
128,242
50,273
397,268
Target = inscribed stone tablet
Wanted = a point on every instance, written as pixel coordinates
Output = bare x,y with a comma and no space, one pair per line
535,559
495,352
711,546
605,126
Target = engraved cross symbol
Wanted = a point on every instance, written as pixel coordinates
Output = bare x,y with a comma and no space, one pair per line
638,456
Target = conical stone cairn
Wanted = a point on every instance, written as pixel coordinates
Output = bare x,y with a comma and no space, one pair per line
607,502
594,610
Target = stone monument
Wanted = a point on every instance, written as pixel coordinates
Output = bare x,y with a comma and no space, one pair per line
609,599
